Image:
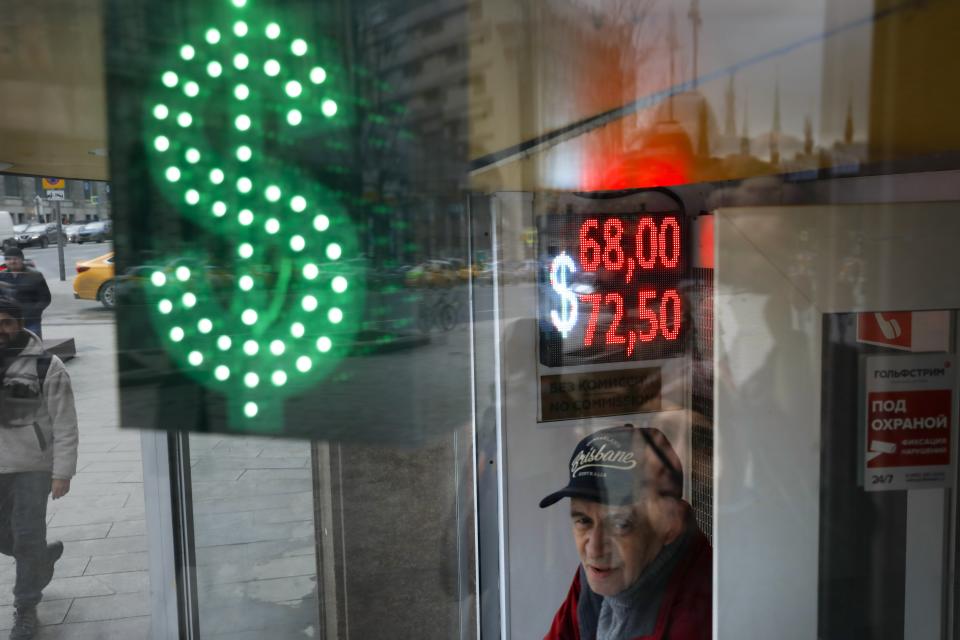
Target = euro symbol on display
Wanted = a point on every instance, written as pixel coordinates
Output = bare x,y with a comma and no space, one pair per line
560,271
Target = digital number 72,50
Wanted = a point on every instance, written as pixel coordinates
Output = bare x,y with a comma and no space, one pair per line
664,321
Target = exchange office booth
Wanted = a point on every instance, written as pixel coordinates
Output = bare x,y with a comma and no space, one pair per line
799,359
597,332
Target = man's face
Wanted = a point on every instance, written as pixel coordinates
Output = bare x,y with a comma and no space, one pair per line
615,543
9,328
14,263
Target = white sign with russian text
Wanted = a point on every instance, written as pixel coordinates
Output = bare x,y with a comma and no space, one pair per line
910,422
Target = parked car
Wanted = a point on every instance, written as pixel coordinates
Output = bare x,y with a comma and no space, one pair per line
95,231
7,233
95,280
432,273
72,231
38,235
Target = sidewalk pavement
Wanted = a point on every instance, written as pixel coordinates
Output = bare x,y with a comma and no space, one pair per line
253,507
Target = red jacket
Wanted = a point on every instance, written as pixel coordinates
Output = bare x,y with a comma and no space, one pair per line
686,612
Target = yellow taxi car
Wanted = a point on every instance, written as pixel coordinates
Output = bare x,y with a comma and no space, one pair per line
95,280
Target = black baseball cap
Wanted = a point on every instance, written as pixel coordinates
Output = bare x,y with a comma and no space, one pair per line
12,252
609,467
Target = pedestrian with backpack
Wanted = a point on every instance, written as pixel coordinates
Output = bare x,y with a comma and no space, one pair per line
38,457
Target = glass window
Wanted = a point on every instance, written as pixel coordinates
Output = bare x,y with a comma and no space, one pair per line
486,319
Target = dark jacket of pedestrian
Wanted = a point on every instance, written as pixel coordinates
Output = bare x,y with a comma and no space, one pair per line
29,288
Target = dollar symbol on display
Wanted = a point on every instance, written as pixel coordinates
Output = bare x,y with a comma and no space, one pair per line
227,107
560,271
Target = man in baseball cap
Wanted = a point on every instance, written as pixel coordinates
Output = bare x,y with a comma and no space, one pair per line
645,567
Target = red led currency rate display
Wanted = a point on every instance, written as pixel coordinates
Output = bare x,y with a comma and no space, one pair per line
609,289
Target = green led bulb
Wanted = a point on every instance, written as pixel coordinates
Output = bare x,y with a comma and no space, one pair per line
324,344
172,174
335,315
187,52
329,108
245,217
224,343
195,358
298,203
271,68
184,119
297,330
249,317
272,226
244,153
216,176
294,117
240,28
303,364
279,378
334,251
169,79
212,36
318,75
273,31
205,325
165,307
241,92
176,334
339,284
251,347
191,89
182,273
293,88
189,300
277,347
160,112
246,283
321,223
309,303
244,185
161,143
297,243
251,379
310,271
250,409
192,156
241,61
242,122
219,209
192,196
222,373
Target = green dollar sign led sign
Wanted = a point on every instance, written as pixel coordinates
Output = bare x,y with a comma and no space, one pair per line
224,108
